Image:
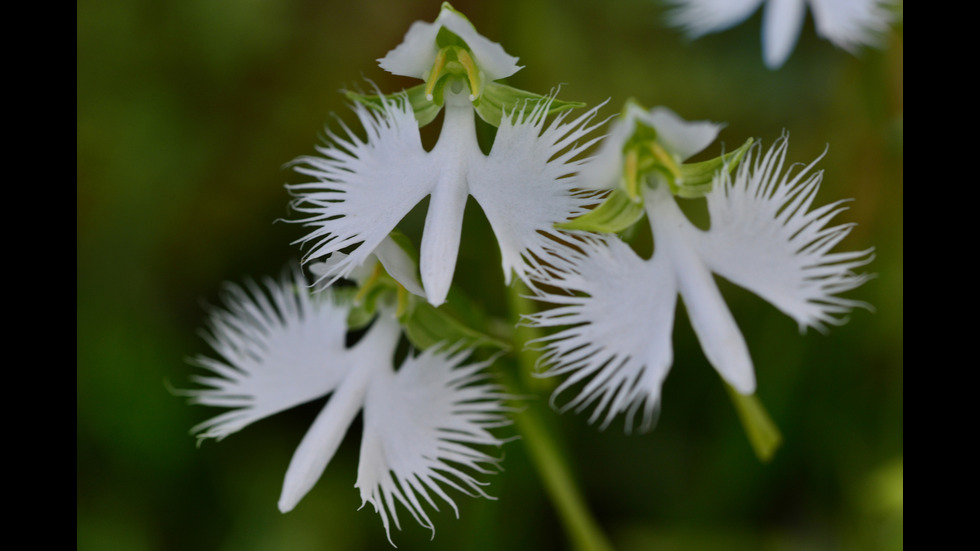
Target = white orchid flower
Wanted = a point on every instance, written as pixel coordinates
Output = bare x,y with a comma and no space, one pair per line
364,187
848,24
282,347
764,237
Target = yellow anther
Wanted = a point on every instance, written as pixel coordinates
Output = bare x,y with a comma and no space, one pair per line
668,162
472,71
402,302
630,176
438,66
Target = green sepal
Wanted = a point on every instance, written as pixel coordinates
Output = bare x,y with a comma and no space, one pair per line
696,179
613,215
762,432
425,110
378,288
425,325
643,133
498,99
359,316
446,38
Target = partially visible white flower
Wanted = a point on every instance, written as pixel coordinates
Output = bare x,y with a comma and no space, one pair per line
618,312
281,347
681,138
849,24
364,187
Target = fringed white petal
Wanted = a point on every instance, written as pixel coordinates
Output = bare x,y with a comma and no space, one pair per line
620,312
277,348
781,24
700,17
526,185
369,359
765,236
420,426
363,187
850,24
417,52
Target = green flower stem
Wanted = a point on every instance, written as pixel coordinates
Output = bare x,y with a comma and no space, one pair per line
543,449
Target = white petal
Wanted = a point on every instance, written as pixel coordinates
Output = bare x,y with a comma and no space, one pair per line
620,313
399,266
782,21
368,359
700,17
416,54
440,238
456,150
364,187
277,350
681,137
419,428
765,237
721,340
604,169
490,56
525,186
396,262
851,24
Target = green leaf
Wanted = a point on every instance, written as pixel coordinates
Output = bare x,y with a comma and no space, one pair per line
425,110
613,215
762,432
497,99
696,179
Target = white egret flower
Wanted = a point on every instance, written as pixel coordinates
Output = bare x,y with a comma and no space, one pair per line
619,308
281,347
848,24
364,187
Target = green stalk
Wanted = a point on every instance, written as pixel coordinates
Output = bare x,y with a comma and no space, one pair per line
582,529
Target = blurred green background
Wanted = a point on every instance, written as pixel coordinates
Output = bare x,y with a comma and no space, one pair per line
186,113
